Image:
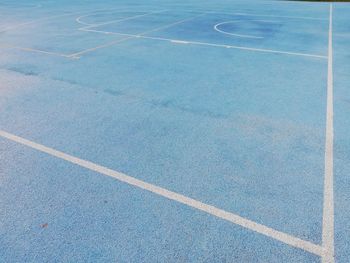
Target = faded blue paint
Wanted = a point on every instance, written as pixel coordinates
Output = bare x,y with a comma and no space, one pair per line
241,130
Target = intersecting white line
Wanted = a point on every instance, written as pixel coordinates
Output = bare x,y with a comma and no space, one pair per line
171,25
6,46
326,251
115,21
209,209
78,54
261,15
328,199
180,41
35,21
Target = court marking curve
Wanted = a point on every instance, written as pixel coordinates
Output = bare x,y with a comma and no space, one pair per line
216,28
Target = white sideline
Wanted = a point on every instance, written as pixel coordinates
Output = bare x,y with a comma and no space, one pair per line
209,209
328,199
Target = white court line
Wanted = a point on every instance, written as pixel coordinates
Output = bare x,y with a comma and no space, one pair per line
61,54
115,21
157,38
179,41
57,16
99,10
209,209
36,21
172,24
276,16
328,199
78,54
35,51
78,20
129,36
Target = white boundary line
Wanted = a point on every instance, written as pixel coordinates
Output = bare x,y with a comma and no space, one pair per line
115,21
328,199
92,12
180,41
78,54
209,209
35,51
274,16
59,16
172,24
75,55
37,21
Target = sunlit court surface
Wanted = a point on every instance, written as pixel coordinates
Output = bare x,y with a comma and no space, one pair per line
174,131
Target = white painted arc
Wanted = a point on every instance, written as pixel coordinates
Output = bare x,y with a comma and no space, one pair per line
217,28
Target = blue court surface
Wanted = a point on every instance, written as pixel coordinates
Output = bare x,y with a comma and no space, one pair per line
174,131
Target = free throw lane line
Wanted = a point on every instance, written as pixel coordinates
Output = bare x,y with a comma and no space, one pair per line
212,210
328,199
